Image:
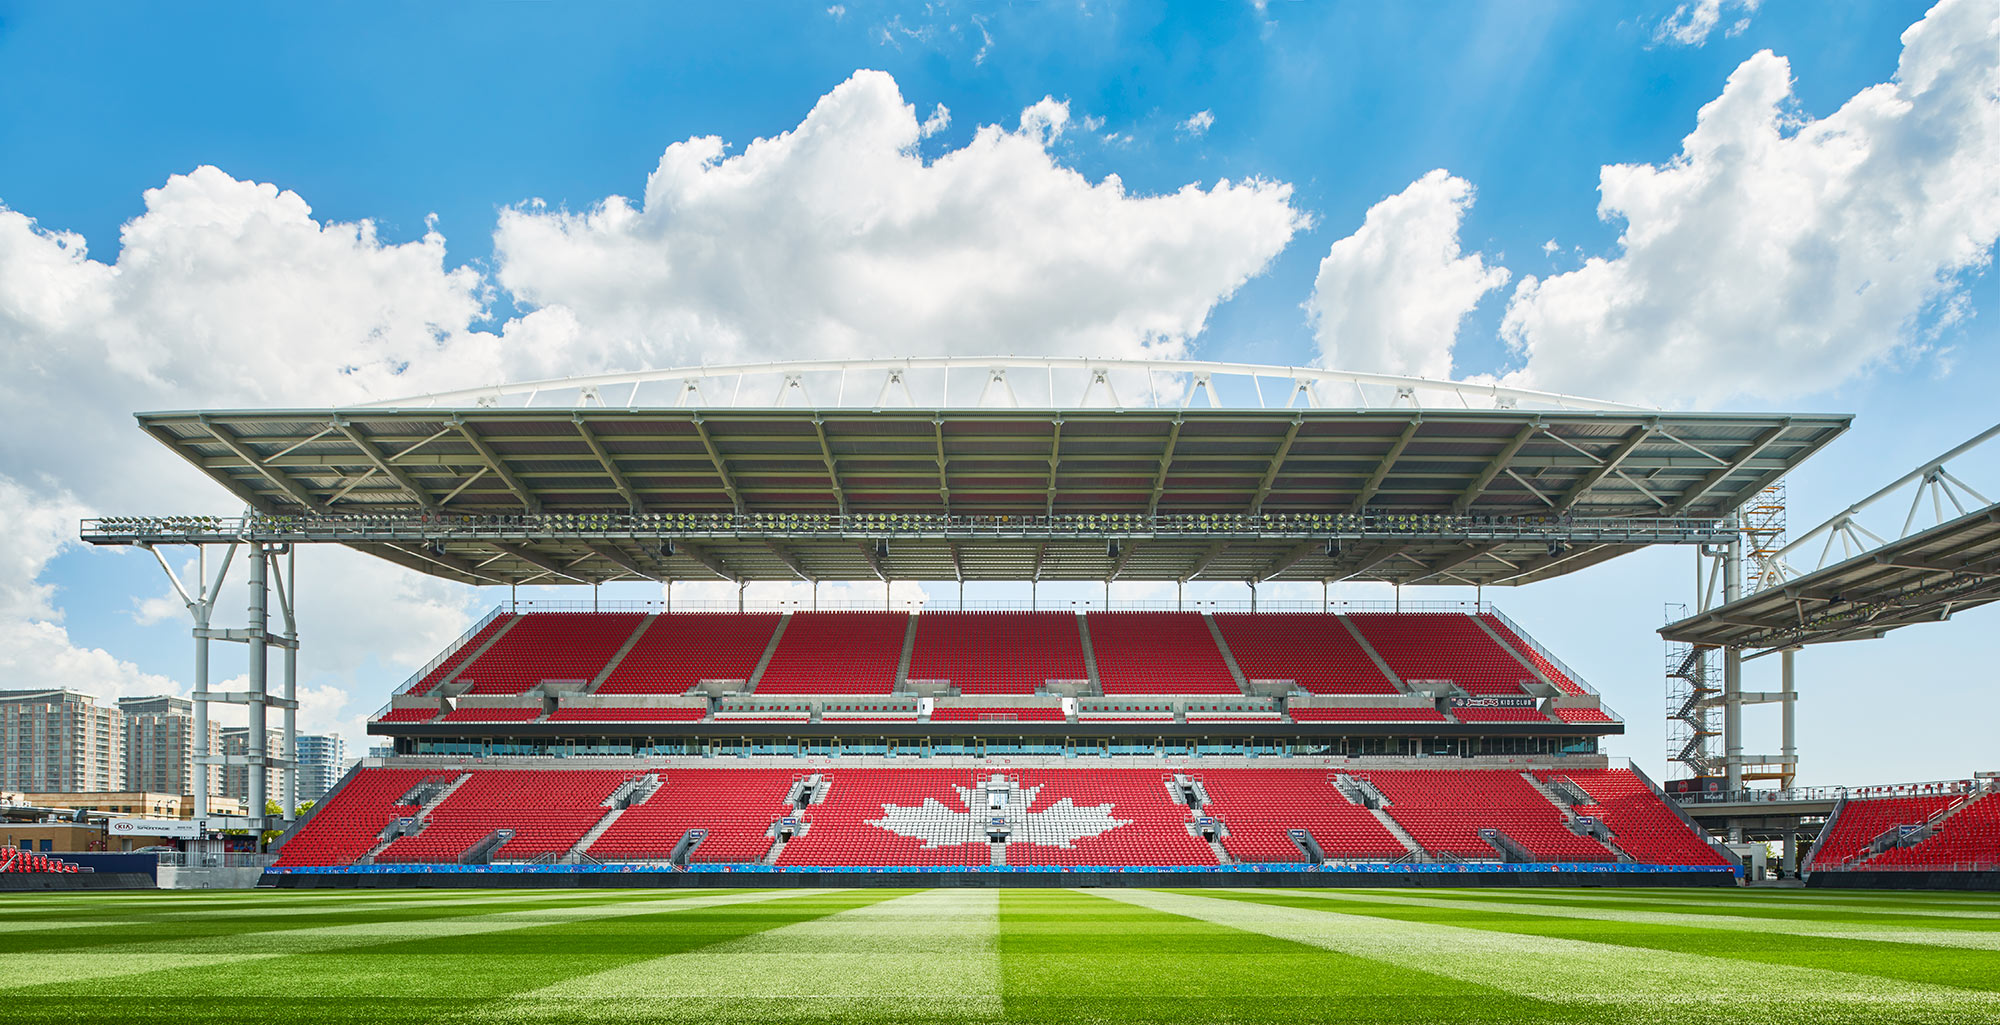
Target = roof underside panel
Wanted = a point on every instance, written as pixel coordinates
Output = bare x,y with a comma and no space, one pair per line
995,463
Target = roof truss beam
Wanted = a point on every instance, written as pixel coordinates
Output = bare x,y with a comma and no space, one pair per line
1721,473
1277,464
611,470
549,566
1374,483
1499,462
832,468
293,489
498,466
374,455
721,468
1604,469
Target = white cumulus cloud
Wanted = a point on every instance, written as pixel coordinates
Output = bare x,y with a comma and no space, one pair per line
1692,23
1198,123
1389,298
838,238
1813,248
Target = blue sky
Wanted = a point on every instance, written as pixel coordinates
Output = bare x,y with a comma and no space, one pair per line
478,141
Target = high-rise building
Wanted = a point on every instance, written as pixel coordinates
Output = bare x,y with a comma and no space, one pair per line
236,778
160,745
60,740
322,760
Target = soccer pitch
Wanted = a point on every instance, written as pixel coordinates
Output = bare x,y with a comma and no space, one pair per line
1106,955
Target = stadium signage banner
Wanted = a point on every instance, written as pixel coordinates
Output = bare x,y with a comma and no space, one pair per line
180,829
1522,702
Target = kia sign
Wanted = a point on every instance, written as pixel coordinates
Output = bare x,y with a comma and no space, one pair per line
182,829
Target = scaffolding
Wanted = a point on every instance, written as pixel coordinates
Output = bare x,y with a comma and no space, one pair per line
1763,536
1693,704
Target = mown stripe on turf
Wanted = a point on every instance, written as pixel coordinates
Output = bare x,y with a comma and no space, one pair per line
1752,902
931,955
1877,932
219,935
456,979
1656,986
1077,957
20,970
1905,962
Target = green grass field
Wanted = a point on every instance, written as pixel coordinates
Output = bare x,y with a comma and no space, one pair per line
1002,955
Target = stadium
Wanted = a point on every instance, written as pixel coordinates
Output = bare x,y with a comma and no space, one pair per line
1156,810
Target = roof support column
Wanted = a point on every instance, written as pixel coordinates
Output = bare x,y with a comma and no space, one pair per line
1732,670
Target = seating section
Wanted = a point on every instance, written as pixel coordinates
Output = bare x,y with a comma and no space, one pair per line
1583,715
549,810
346,827
1261,806
735,806
1314,650
1443,810
1862,820
837,653
1153,828
606,714
550,646
1969,838
1443,646
682,649
456,658
998,652
409,714
842,832
493,715
14,860
1158,653
930,817
1640,822
1137,654
1541,662
1370,714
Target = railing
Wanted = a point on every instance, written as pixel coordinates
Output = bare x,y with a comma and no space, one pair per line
1536,646
420,528
951,604
450,650
227,859
1748,795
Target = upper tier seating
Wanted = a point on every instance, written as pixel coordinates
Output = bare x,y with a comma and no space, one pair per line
1443,646
998,652
1313,650
465,651
1158,653
1444,810
1639,820
549,810
1968,838
550,646
1261,805
1365,715
682,649
599,713
837,653
736,806
1520,644
1583,715
1862,820
493,714
345,828
425,714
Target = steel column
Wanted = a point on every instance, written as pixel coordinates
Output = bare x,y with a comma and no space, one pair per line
256,744
1732,671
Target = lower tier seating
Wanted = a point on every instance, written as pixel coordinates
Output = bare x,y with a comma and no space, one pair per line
1069,817
1968,838
1863,819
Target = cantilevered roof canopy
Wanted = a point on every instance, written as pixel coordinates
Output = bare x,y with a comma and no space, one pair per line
1926,577
484,491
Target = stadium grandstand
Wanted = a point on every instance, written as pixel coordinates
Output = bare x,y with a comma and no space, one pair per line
657,742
